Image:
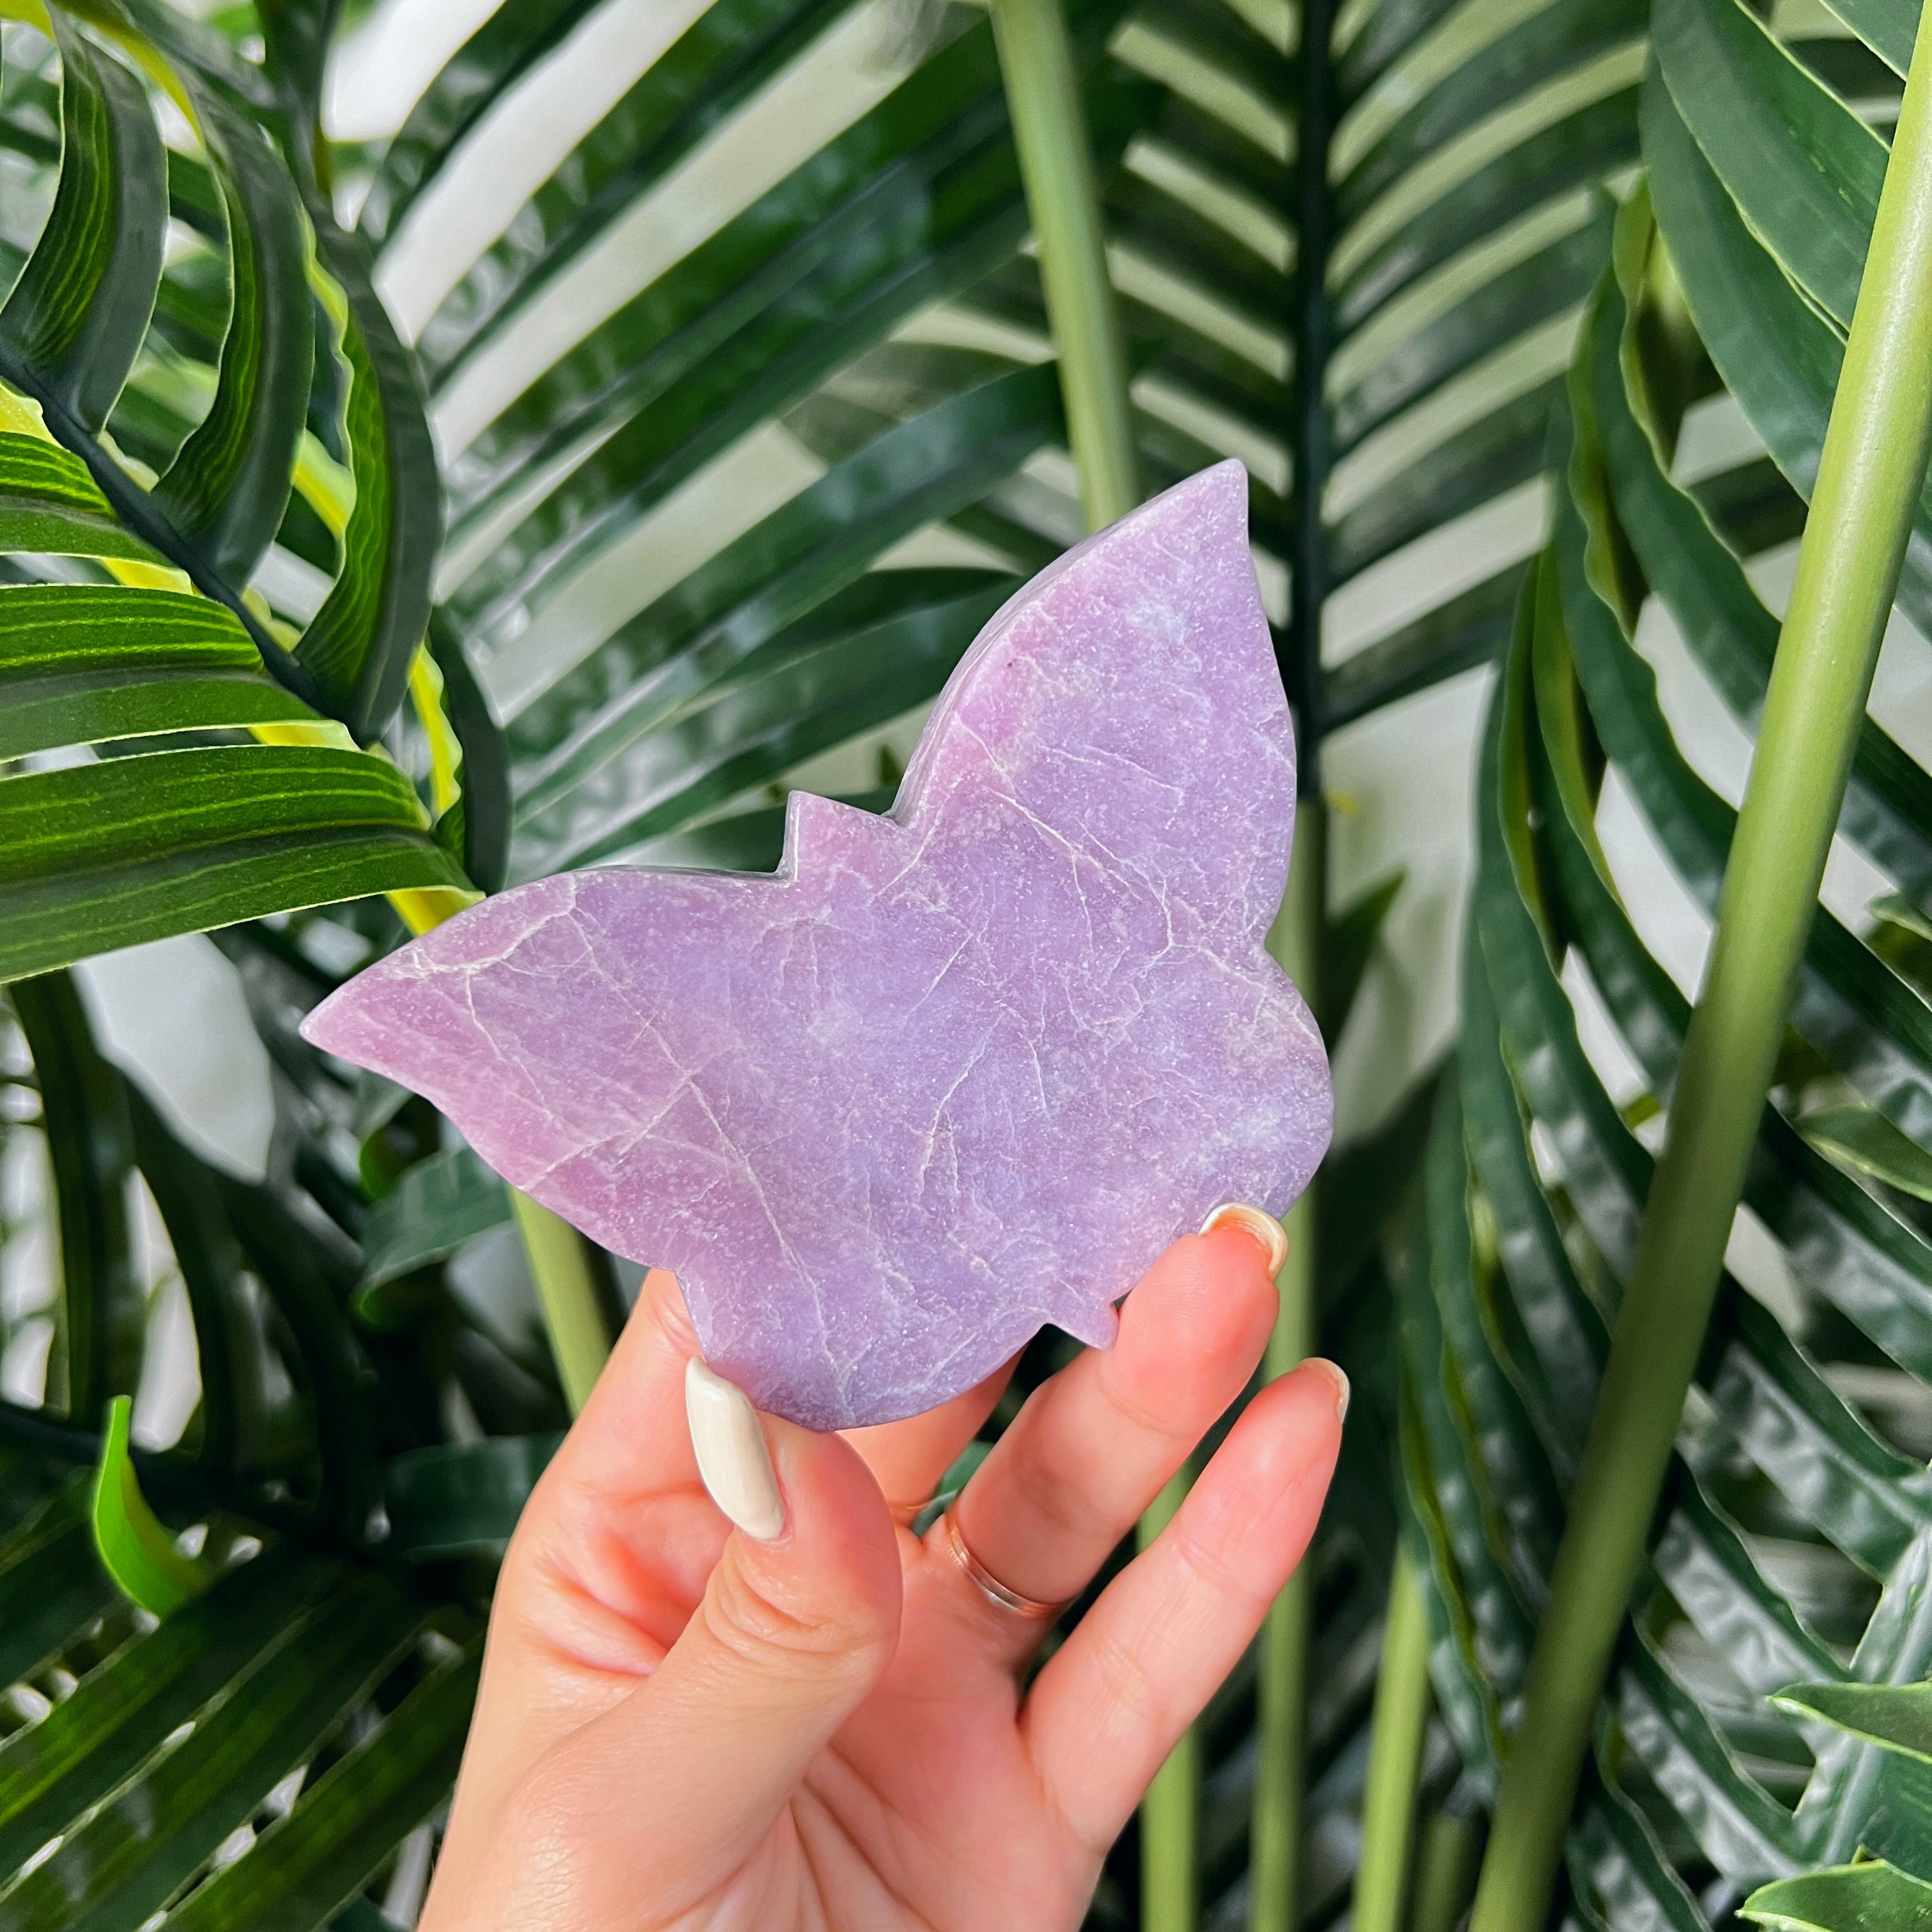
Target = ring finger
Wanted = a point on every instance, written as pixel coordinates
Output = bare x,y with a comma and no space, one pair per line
1093,1446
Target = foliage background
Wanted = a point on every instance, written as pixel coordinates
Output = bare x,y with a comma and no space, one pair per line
1458,484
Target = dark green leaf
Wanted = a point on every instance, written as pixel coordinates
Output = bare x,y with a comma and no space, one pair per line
495,58
695,84
775,573
918,198
359,646
230,1356
81,663
359,1915
463,1498
1889,806
746,841
1870,1897
309,1292
1900,1829
436,1206
486,766
1553,40
52,1773
129,1857
84,1116
1898,1716
1888,27
1497,311
1455,636
1777,355
782,706
77,313
1580,149
106,855
304,1866
1860,1014
1805,171
49,503
297,33
1347,942
1500,450
1866,1140
224,494
51,1587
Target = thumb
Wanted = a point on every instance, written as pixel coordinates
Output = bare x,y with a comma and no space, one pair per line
799,1620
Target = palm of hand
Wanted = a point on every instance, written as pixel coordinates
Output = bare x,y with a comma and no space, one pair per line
681,1727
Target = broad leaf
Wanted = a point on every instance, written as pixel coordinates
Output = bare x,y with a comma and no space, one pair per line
98,855
1869,1897
49,503
82,664
1898,1716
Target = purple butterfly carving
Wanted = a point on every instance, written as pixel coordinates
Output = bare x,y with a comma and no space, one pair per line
950,1074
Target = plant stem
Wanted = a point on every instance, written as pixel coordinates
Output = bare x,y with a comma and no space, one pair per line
1395,1754
1445,1871
1870,476
1170,1891
573,1313
1063,200
1281,1693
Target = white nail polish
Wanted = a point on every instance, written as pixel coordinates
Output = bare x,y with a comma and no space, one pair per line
732,1456
1257,1222
1340,1381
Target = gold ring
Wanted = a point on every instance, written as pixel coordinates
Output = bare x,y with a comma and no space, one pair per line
982,1579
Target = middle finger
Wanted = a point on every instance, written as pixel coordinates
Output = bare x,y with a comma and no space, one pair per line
1093,1446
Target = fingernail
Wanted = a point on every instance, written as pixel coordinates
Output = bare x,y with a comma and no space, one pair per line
732,1456
1265,1228
1339,1379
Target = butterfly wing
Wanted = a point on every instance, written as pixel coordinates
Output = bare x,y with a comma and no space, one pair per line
1128,697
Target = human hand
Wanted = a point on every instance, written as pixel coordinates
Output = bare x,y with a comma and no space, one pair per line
681,1725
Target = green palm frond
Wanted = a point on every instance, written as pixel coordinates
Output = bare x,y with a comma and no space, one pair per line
1793,1537
249,1758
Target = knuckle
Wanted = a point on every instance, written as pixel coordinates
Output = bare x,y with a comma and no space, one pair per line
1047,1491
751,1622
1141,1406
1218,1570
1132,1687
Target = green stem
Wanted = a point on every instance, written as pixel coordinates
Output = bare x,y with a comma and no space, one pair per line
1056,167
1445,1871
1870,474
1170,1812
1395,1755
1274,1843
567,1291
